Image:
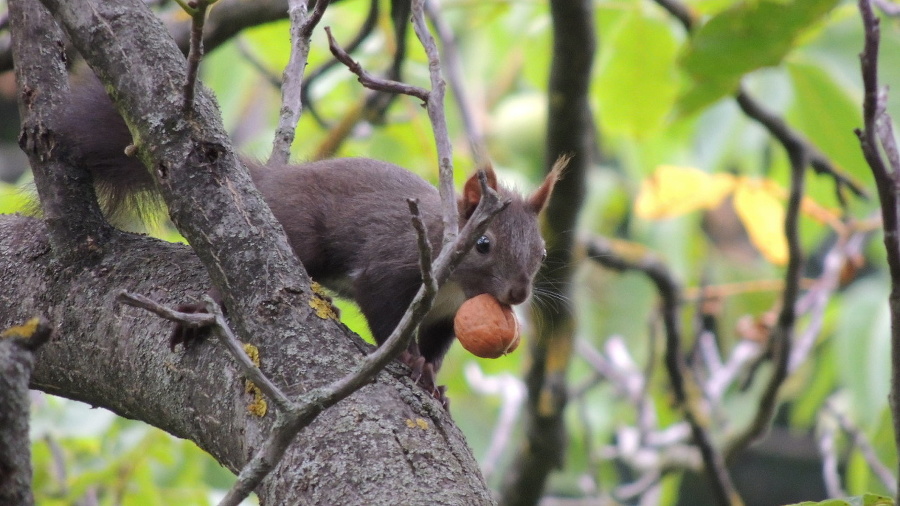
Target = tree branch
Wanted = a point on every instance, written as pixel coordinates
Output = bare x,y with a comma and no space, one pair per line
302,26
17,347
77,227
210,198
887,182
118,359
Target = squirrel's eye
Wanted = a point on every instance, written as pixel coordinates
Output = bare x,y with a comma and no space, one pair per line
543,254
483,245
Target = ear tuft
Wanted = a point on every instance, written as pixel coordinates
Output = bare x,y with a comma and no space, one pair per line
537,201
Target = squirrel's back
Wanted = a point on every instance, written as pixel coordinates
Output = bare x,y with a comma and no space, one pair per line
340,215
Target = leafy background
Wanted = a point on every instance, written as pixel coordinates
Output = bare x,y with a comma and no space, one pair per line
661,98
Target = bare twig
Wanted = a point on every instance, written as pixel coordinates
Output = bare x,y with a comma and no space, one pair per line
781,338
190,320
453,67
257,64
435,107
434,104
859,439
887,180
197,10
827,450
815,300
216,319
887,7
512,393
370,81
364,31
302,26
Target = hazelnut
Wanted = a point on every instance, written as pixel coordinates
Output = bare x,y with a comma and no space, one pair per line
486,328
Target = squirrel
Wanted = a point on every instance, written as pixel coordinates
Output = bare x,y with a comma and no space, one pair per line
348,222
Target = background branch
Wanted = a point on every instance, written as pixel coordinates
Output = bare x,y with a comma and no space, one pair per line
570,131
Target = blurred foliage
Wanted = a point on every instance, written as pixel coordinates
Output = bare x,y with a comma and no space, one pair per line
661,99
864,500
90,456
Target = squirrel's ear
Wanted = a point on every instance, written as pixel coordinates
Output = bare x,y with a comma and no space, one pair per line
537,201
471,194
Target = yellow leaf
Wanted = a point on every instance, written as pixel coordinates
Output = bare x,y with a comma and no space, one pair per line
809,207
673,191
762,214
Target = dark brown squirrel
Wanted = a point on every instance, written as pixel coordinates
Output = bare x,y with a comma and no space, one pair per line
348,221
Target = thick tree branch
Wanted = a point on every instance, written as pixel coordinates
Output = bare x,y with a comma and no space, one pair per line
212,202
77,228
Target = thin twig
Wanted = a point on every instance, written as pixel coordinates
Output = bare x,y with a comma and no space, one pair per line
864,445
197,9
216,320
257,64
370,81
781,338
815,301
512,393
190,320
453,66
827,449
302,26
425,251
364,31
435,107
887,7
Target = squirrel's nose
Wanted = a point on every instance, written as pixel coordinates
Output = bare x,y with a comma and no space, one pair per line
516,295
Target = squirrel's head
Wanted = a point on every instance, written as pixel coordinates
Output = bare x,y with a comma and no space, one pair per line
506,258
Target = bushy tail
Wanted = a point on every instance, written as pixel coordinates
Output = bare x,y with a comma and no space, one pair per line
93,135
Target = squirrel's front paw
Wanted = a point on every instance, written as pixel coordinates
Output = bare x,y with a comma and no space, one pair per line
184,335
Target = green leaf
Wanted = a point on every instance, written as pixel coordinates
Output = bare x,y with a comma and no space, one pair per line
636,97
749,36
862,344
827,114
